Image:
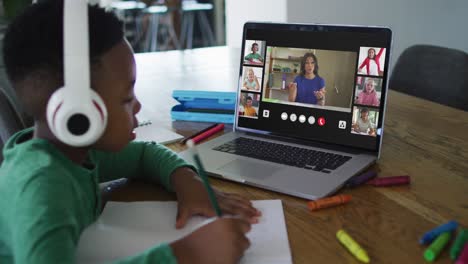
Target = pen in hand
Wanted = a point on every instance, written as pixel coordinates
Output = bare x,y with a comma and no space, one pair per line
201,173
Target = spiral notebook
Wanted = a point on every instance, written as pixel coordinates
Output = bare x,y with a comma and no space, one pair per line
148,131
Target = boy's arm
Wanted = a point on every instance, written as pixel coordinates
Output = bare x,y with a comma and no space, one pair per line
46,224
49,216
140,160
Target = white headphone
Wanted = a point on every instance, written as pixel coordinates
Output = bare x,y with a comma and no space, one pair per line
76,114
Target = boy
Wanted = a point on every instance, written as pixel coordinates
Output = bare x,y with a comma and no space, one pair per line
49,191
254,57
248,109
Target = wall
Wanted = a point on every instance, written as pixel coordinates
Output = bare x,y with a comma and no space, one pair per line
433,22
240,11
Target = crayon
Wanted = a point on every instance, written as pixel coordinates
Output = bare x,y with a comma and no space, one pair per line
329,202
352,246
430,235
463,258
457,246
390,181
431,253
360,179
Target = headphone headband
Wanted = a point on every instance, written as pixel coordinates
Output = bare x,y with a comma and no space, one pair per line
76,49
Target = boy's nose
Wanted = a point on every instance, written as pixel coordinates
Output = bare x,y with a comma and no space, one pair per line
137,107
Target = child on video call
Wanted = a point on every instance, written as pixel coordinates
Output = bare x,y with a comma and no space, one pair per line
49,191
368,96
254,57
371,63
248,108
251,82
363,124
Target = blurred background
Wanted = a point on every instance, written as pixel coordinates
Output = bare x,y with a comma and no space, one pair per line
159,25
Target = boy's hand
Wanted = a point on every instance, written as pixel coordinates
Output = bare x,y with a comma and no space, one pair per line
222,241
193,200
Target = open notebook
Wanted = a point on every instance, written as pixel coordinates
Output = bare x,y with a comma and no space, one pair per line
125,229
148,131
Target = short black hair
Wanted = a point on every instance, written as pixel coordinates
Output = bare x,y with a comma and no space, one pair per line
34,39
249,98
33,48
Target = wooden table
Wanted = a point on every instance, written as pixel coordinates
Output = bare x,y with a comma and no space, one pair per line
425,140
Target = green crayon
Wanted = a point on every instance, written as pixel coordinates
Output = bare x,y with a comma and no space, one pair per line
436,247
457,246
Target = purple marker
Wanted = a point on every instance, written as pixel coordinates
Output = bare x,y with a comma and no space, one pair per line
360,179
390,181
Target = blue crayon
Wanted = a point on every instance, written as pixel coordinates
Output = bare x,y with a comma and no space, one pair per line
361,179
431,235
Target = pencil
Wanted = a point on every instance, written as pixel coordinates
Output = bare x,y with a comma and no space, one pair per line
198,133
201,172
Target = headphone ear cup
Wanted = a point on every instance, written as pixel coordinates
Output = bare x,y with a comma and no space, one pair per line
53,106
76,123
101,111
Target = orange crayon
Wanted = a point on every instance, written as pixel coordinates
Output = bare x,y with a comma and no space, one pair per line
329,202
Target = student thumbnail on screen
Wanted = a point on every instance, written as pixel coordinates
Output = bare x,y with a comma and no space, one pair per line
365,121
371,61
310,77
368,91
248,105
254,52
251,79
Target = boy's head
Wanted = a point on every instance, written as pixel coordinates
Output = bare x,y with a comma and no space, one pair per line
254,47
249,101
33,55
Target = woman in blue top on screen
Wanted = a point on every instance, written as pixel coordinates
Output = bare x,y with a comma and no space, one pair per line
308,87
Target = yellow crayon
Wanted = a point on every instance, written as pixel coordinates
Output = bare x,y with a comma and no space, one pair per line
352,246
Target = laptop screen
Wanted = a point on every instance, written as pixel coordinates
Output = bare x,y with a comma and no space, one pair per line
314,82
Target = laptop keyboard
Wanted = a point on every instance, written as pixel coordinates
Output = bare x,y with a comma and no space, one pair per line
284,154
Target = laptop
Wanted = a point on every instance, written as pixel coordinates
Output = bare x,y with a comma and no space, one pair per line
310,108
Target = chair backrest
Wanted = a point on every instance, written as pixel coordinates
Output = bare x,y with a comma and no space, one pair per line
434,73
10,120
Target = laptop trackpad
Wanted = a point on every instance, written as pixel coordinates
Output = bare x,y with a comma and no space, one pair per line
245,168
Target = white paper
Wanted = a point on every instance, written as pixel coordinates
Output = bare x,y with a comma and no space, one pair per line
126,229
153,132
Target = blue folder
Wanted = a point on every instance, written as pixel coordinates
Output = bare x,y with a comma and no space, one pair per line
204,106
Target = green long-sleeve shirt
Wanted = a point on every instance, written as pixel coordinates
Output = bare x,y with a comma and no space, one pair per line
46,200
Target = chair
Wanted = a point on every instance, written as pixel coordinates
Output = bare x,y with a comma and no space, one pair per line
189,10
158,14
434,73
131,13
10,121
